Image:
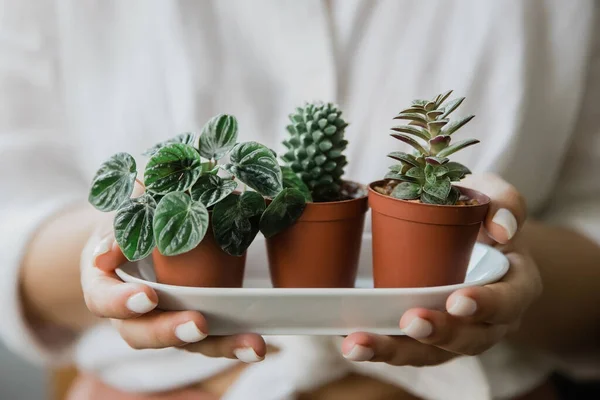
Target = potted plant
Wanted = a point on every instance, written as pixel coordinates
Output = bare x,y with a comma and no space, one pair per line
424,228
192,220
322,248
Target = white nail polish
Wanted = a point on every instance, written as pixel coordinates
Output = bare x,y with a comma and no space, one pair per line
247,355
507,220
188,332
140,303
103,247
418,328
360,353
463,307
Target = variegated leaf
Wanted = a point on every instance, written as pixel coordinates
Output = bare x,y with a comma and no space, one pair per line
406,191
210,189
113,183
185,138
283,212
133,227
175,167
255,165
218,136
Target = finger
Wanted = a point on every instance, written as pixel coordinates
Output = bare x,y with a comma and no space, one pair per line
107,255
247,347
507,211
393,350
442,330
163,329
502,302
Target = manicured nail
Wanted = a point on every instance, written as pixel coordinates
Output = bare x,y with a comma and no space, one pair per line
188,332
418,328
507,220
247,355
140,303
360,353
103,247
463,306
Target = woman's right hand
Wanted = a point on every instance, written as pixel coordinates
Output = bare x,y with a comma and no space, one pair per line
132,309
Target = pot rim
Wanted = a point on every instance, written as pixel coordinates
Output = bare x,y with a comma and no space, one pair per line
486,198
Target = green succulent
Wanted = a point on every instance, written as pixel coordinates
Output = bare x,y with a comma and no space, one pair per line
427,174
182,184
315,149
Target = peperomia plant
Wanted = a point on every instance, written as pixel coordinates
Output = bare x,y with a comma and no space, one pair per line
427,173
315,149
182,184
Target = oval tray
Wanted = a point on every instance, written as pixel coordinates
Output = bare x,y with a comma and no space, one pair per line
259,308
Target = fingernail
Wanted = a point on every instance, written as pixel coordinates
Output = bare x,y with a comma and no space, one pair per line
507,220
140,303
103,247
463,307
247,355
188,332
418,328
360,353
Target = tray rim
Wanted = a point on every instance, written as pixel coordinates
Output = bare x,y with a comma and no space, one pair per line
276,292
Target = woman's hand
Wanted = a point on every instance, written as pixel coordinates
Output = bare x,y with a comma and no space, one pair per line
131,307
477,318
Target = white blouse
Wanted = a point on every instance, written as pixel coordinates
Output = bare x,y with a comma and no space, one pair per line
83,79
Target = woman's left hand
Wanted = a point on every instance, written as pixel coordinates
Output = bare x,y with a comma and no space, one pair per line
477,317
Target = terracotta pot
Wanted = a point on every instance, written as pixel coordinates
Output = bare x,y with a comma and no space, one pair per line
321,249
420,245
205,266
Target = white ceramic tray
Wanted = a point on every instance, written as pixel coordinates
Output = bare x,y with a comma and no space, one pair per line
259,308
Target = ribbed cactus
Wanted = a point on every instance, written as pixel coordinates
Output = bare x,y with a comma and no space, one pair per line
315,148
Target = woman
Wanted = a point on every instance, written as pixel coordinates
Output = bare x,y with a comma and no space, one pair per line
82,80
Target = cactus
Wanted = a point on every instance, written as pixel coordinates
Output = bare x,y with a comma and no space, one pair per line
427,173
315,149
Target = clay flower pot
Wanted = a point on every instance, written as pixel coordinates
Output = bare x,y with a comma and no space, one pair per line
420,245
321,249
204,266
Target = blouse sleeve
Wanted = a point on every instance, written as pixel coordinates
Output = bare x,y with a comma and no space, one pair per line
37,178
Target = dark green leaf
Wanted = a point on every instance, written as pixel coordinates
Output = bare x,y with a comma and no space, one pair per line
453,105
413,130
400,177
453,196
133,227
410,141
456,125
210,189
404,157
255,165
440,188
406,191
283,212
113,183
180,224
416,172
185,138
292,180
440,171
218,136
175,167
236,221
429,199
453,148
456,171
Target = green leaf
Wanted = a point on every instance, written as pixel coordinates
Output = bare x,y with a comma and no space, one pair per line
218,136
185,138
113,183
417,173
456,125
419,103
456,171
292,180
453,105
406,191
180,224
400,177
133,227
417,131
404,157
175,167
412,142
256,166
436,126
441,98
413,110
440,188
429,199
453,196
440,171
236,221
439,143
453,148
436,160
414,117
209,168
210,189
283,212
